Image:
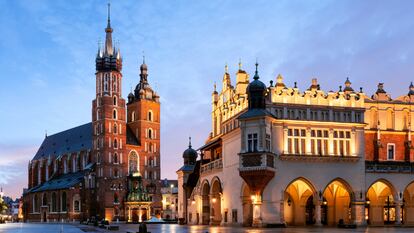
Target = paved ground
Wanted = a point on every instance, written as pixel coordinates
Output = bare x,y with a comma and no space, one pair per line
68,228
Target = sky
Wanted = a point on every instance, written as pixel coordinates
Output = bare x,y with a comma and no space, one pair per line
48,48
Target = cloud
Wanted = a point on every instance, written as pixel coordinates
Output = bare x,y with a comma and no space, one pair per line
13,167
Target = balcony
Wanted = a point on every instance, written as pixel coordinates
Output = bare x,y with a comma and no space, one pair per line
389,167
213,166
253,161
257,169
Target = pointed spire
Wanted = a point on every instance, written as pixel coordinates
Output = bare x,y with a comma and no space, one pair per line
189,142
45,133
109,15
108,30
256,73
240,64
226,68
215,88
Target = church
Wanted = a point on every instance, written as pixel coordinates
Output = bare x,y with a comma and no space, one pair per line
279,156
108,168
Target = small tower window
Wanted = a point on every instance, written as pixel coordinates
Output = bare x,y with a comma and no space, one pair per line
133,116
115,159
114,114
115,143
115,129
150,133
106,83
150,115
115,101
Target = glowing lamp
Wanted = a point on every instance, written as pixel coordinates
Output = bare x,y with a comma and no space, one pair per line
214,200
193,202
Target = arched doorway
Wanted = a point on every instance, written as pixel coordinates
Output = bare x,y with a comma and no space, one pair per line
337,203
205,192
408,205
216,192
247,206
299,207
381,196
134,214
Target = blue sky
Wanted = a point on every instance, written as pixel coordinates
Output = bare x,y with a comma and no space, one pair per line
47,52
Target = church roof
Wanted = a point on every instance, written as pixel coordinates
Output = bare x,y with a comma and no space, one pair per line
64,181
68,141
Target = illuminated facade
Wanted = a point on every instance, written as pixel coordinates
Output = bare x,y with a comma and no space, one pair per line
280,156
108,168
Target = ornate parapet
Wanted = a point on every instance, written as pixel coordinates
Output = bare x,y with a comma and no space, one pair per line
389,167
321,158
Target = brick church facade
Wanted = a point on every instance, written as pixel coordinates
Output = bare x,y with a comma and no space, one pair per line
108,168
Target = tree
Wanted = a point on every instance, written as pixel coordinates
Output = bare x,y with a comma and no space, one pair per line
3,206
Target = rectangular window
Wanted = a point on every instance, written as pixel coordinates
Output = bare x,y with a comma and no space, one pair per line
225,216
391,151
252,142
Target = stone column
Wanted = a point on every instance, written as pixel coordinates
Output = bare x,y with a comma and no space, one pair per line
129,215
285,140
398,213
318,215
358,213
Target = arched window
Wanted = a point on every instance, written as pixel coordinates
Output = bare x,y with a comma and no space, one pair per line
106,83
35,203
74,164
65,166
116,173
115,129
133,162
64,207
150,115
115,143
98,158
150,133
116,199
115,159
44,201
97,114
114,114
76,206
54,203
115,101
133,116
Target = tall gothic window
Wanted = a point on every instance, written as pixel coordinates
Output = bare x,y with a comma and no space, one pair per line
115,143
114,114
133,116
106,83
133,162
150,133
115,159
115,101
64,207
150,115
44,201
54,202
115,129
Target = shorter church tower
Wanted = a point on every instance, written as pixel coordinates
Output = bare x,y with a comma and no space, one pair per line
144,122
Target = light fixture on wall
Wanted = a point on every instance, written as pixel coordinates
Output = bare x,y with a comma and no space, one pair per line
214,200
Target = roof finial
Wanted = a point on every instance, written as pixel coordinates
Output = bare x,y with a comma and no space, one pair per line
189,142
143,57
256,74
240,64
215,86
226,68
109,14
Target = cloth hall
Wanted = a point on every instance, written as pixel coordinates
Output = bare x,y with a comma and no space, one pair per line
108,168
277,155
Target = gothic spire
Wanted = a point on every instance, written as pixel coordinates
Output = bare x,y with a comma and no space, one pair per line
108,30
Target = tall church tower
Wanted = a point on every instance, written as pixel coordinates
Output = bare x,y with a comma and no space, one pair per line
144,121
109,130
